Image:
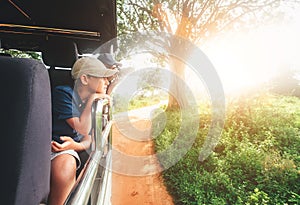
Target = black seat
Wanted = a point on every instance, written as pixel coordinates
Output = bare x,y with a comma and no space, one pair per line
25,131
58,54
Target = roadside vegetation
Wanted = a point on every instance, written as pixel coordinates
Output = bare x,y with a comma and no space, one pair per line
21,54
257,160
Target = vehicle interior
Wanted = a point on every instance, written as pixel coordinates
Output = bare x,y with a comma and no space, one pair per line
61,31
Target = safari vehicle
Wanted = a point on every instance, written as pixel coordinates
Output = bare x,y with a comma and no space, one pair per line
61,31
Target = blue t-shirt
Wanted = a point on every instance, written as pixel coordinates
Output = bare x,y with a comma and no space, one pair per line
66,104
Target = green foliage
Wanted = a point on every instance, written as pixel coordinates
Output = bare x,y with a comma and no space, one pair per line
140,101
196,20
134,16
22,54
123,104
257,160
149,78
258,198
120,103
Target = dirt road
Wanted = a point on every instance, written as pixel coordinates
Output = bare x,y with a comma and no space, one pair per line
146,187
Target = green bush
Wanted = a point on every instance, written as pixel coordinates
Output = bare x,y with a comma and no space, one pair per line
256,161
126,103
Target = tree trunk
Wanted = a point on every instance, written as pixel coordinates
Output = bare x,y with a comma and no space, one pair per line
177,98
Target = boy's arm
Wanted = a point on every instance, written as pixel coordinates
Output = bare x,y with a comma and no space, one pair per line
83,124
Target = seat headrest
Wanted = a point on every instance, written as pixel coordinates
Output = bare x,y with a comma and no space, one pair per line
59,53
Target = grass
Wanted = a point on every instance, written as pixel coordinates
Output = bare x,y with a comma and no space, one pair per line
257,160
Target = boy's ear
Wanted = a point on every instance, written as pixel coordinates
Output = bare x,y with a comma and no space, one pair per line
84,79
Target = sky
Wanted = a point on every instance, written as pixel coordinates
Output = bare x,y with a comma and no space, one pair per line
247,59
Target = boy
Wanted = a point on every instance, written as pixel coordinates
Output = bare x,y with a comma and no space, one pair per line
71,123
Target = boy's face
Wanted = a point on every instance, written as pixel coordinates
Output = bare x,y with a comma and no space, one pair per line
98,85
102,85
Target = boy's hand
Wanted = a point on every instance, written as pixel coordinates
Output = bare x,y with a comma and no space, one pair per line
101,96
68,143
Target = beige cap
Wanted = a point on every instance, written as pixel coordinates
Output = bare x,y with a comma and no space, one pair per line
91,66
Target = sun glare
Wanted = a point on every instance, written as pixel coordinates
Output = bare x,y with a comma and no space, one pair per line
245,60
242,60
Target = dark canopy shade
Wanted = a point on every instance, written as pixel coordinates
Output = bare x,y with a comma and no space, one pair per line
89,23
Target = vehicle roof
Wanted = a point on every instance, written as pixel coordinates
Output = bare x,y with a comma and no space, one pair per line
27,24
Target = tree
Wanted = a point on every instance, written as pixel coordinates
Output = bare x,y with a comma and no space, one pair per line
148,78
193,20
286,82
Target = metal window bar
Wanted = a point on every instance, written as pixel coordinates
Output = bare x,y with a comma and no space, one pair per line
44,31
93,186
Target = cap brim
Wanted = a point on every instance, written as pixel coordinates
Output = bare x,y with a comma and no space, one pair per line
109,73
